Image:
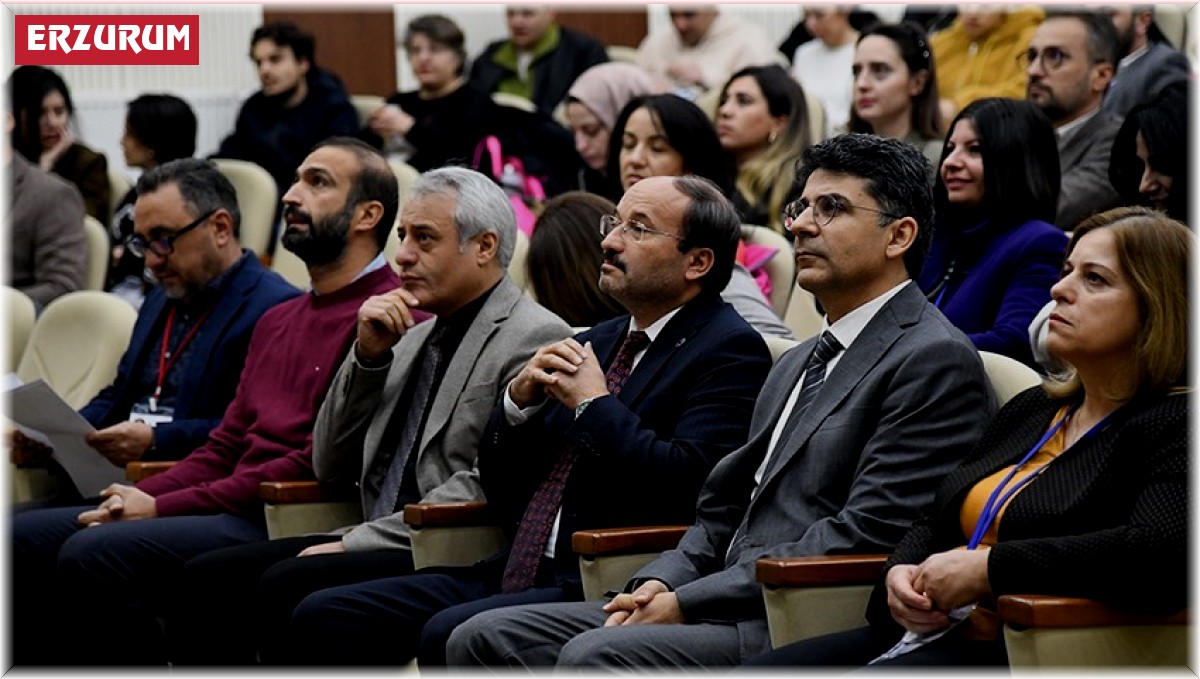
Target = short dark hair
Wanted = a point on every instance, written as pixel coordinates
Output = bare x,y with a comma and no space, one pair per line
164,123
288,34
204,188
564,258
375,181
1021,174
439,30
1163,124
710,221
1103,44
27,88
913,45
688,130
896,175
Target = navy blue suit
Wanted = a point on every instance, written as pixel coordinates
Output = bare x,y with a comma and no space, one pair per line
686,405
1002,278
214,364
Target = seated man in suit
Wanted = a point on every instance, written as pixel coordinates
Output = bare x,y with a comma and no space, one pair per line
181,369
98,575
1069,64
539,60
600,407
402,421
1149,64
851,436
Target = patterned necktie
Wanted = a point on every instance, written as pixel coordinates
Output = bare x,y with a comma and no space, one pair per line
385,504
530,541
814,377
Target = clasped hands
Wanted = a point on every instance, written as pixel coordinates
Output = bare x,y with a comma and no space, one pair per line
921,597
121,503
565,371
650,604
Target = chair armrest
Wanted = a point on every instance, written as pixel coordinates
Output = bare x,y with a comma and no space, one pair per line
611,541
447,515
295,492
139,471
1036,610
820,571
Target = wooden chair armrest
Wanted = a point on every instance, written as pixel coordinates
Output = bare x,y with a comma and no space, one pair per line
820,571
611,541
1037,610
138,471
448,515
295,492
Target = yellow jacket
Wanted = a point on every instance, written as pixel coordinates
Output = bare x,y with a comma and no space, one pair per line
989,68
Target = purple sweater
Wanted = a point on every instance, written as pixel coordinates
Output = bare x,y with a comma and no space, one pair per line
266,434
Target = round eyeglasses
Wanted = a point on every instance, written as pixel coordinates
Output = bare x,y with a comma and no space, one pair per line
824,209
632,229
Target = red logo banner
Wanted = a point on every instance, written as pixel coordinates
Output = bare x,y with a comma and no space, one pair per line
107,40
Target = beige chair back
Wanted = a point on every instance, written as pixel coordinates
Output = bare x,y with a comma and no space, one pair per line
516,267
257,198
778,346
365,105
623,53
21,317
1007,376
781,268
97,253
118,186
514,101
77,343
802,316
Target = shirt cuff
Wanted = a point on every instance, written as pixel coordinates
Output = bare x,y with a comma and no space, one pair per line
514,414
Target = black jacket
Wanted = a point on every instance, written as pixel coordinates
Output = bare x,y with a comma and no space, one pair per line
553,72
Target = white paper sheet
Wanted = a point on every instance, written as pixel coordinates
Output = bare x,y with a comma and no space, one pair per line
35,406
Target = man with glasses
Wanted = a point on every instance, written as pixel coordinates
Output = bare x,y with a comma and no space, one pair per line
90,582
180,370
851,435
618,426
1070,62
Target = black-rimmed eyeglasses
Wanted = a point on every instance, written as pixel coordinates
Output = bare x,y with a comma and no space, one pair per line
163,245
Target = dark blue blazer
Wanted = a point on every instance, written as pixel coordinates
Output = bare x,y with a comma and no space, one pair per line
644,454
214,366
1002,278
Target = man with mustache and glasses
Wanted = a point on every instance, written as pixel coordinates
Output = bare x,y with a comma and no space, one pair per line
403,420
851,435
189,344
89,582
617,426
1070,62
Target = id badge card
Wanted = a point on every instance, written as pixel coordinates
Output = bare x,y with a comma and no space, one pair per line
141,413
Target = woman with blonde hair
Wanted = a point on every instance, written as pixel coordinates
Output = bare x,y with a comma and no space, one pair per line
1078,488
762,121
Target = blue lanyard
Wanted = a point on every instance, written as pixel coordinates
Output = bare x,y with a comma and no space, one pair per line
999,496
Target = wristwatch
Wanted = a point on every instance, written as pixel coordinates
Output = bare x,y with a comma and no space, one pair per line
583,406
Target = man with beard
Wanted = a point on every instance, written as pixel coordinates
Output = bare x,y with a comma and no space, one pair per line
89,583
1148,62
189,344
403,419
647,402
1069,64
299,104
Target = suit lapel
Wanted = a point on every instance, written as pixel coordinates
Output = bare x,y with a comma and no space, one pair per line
403,356
677,333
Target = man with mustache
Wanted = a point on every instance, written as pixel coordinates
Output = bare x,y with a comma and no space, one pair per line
99,575
1070,62
403,419
188,347
851,435
617,426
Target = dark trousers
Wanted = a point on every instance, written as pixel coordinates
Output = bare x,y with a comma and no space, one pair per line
234,604
104,587
857,647
393,620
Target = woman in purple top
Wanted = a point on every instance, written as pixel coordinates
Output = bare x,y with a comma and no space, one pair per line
995,254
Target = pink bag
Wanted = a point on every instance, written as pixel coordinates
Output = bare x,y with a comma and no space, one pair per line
525,192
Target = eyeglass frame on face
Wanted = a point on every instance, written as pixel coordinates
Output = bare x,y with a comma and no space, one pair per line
1030,56
163,246
610,223
791,213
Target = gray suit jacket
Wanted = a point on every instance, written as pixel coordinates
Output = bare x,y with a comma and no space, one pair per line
47,246
508,330
1083,157
901,408
1142,80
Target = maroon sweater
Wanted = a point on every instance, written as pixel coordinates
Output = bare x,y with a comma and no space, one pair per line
266,434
